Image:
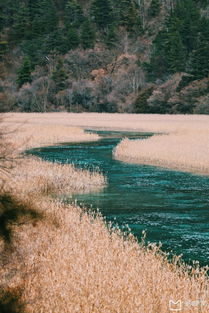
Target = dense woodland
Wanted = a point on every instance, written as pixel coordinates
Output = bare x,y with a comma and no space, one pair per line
142,56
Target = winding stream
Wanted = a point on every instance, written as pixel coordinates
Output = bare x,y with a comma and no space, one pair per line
173,207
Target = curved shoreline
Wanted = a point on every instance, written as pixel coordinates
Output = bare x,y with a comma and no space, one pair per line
72,262
161,164
38,174
190,135
187,152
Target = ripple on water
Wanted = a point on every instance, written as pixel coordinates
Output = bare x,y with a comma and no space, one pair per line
173,207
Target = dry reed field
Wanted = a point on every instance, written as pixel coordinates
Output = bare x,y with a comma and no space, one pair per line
143,122
29,135
185,145
37,176
58,258
68,261
180,151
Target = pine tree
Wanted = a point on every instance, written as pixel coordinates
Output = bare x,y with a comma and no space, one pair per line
200,61
59,76
176,41
128,15
175,53
188,15
3,49
34,49
87,35
102,13
154,9
141,104
44,17
158,62
132,17
73,40
74,16
8,9
21,24
56,41
169,52
24,72
111,37
200,56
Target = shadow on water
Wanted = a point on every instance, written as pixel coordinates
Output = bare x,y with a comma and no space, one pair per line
172,206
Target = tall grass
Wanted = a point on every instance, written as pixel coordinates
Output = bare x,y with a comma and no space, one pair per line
34,175
38,175
141,122
8,151
185,146
70,261
60,258
30,135
181,151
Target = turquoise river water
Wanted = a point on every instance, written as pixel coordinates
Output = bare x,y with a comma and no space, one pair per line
172,206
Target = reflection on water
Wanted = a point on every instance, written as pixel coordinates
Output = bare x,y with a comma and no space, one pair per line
173,207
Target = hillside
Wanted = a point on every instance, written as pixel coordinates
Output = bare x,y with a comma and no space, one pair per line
105,55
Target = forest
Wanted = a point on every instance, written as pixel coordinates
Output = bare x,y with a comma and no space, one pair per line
104,56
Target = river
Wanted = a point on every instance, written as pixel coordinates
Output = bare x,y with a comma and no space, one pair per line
171,206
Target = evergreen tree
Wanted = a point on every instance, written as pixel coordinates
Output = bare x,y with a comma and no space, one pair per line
72,39
24,73
74,16
188,15
56,41
154,9
44,17
102,13
21,23
169,51
132,17
8,10
141,104
111,37
87,35
158,62
200,56
128,15
175,53
34,49
60,4
3,49
59,76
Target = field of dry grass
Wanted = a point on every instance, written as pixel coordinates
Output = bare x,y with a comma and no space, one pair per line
68,261
179,151
37,176
184,145
58,258
138,122
29,135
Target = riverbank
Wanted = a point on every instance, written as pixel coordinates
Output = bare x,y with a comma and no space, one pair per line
59,258
183,151
27,135
37,175
183,146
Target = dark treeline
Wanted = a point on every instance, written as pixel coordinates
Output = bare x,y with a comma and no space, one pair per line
46,26
104,55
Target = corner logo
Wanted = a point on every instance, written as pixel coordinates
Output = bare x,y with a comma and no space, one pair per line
175,305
